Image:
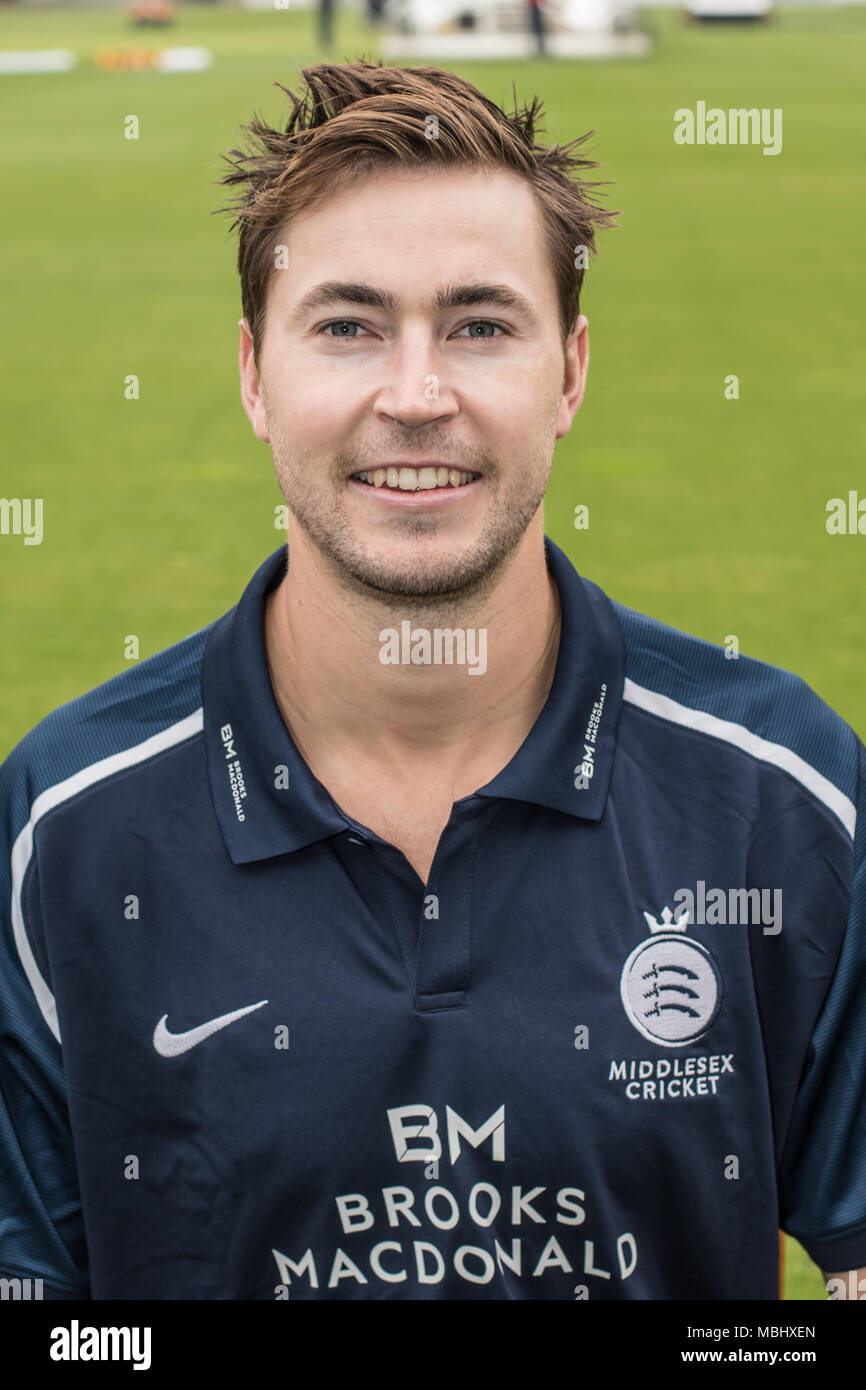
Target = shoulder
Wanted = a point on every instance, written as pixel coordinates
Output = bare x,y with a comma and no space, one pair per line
136,715
770,714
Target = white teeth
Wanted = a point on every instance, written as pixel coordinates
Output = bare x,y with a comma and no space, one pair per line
425,479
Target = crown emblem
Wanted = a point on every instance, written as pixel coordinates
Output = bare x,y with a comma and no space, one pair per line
668,921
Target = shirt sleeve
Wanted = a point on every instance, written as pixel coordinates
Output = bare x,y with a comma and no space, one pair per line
41,1223
822,1185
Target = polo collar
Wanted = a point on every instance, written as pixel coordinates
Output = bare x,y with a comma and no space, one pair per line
566,760
267,800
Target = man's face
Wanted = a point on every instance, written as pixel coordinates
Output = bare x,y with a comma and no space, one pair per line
416,389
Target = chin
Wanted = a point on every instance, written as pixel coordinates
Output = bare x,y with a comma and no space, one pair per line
413,579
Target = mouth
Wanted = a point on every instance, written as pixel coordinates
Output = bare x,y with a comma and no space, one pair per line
405,479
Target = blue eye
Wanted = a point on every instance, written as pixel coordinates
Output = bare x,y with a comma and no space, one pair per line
482,323
348,328
341,323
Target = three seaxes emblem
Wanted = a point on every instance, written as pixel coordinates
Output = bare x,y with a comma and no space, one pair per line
671,988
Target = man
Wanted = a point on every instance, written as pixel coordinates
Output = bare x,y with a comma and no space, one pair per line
538,23
429,926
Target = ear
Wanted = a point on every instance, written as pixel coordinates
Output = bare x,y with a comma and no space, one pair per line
574,375
251,385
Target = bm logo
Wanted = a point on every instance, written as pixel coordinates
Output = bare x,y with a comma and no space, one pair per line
228,739
410,1123
584,771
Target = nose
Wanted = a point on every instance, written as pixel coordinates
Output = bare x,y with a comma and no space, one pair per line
417,389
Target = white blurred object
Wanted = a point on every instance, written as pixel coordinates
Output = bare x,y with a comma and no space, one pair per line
426,16
728,9
503,16
583,15
184,59
37,60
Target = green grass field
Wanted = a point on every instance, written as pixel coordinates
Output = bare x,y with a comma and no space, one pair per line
706,513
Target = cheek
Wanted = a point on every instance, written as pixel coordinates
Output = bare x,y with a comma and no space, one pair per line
303,420
525,400
519,430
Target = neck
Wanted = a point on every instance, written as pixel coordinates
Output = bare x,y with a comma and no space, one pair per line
336,695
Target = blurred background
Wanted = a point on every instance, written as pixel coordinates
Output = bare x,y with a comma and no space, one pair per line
724,408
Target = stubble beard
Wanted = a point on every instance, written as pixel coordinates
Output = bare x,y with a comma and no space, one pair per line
450,580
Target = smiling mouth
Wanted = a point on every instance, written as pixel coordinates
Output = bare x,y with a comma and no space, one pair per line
416,479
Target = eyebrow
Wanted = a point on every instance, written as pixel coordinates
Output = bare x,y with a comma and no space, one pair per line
332,292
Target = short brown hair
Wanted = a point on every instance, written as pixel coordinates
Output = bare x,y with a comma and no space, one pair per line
354,119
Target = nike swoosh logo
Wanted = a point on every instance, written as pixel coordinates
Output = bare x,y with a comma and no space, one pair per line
173,1044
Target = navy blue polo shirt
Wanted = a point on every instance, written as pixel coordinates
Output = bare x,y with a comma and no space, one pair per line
613,1044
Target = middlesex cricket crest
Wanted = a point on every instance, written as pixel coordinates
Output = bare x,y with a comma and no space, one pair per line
671,987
